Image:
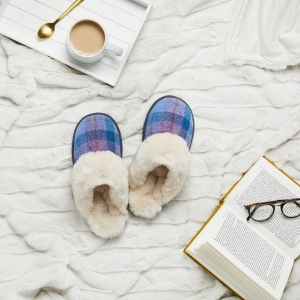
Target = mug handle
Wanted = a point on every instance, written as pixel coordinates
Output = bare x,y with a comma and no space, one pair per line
113,49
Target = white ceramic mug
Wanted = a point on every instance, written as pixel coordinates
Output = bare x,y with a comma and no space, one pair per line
107,47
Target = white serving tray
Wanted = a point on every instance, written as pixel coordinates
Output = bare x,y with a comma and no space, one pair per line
122,19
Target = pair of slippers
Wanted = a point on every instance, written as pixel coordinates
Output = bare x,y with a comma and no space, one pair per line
103,187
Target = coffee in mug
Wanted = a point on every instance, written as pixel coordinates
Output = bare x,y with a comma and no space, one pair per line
88,41
87,38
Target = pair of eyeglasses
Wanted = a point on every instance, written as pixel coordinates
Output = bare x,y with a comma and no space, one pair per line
264,211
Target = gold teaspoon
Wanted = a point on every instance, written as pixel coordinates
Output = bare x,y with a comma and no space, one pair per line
47,29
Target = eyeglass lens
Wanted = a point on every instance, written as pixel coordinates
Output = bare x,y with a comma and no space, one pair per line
291,209
262,212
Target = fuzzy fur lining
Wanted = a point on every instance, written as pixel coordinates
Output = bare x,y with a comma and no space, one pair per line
105,172
150,185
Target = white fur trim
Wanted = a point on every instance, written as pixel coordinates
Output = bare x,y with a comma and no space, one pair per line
162,149
95,169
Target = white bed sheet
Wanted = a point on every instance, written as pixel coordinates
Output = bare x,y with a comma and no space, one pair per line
241,113
265,33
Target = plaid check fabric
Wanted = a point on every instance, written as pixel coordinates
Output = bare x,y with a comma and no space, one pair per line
170,114
96,132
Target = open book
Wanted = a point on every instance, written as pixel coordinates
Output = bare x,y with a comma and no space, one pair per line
254,259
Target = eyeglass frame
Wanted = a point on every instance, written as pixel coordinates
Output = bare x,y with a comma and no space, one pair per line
272,204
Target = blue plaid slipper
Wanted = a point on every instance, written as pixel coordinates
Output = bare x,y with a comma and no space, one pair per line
99,176
160,166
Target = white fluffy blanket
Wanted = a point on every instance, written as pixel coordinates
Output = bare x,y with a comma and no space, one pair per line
46,249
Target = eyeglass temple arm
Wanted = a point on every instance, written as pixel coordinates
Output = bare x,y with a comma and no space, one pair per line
270,202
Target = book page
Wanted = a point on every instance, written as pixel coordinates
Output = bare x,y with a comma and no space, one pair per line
264,182
248,263
248,250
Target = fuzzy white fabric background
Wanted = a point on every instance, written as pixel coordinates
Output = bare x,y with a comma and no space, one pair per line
241,113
